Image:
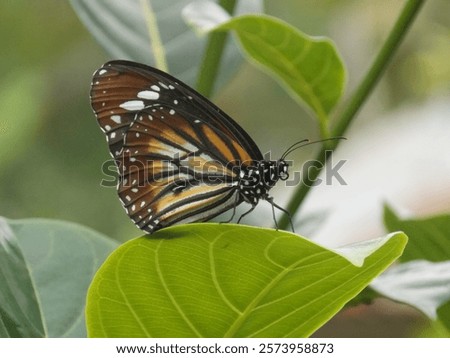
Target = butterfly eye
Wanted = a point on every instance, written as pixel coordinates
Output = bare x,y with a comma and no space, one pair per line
283,168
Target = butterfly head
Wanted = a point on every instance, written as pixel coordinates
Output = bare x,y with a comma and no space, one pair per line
274,170
256,180
282,169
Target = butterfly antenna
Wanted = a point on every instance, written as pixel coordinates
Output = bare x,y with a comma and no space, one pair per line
304,143
287,151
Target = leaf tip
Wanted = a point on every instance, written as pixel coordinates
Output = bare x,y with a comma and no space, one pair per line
204,16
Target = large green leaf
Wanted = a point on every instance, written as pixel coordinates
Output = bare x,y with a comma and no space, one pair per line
219,280
20,314
429,239
47,275
309,67
120,27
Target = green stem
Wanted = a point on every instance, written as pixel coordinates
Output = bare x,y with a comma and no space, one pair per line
361,94
155,37
324,128
213,54
372,77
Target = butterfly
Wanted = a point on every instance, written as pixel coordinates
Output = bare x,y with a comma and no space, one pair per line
180,158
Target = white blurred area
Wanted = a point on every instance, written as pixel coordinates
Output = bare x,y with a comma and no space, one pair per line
402,159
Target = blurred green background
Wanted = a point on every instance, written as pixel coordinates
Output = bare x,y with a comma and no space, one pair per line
52,150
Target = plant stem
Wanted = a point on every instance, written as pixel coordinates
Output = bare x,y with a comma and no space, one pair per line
155,37
401,27
396,35
213,54
324,127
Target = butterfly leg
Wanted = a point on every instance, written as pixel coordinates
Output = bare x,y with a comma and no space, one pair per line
231,218
270,200
236,202
246,213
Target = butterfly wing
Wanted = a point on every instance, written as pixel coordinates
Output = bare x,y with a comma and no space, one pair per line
120,89
171,172
178,154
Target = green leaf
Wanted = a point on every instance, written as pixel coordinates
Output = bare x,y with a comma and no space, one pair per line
59,260
219,280
443,313
3,329
423,284
121,29
20,314
309,67
429,239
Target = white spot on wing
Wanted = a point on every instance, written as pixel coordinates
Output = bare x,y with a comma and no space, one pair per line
102,72
116,119
132,105
155,88
148,95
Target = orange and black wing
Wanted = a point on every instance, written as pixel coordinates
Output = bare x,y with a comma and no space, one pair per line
178,155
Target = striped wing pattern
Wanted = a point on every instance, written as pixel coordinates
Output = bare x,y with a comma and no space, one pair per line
178,155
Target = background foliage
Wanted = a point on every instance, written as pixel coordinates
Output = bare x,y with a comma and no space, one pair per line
52,166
